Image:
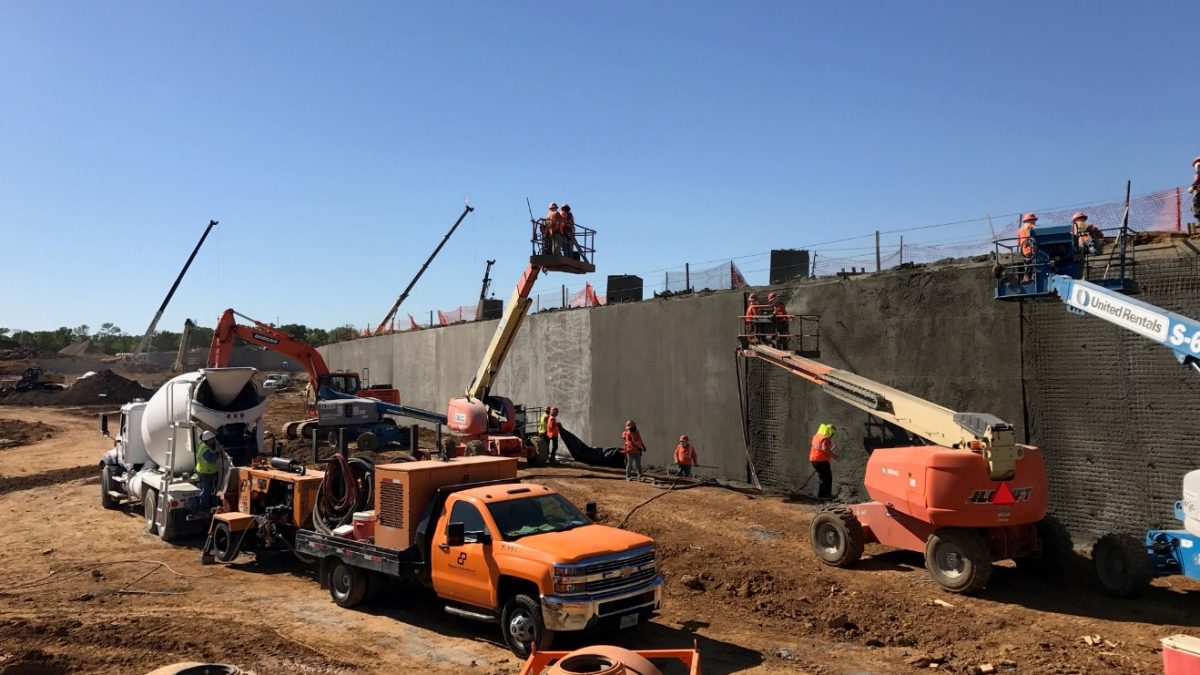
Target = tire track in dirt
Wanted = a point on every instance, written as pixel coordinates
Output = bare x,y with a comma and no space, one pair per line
53,477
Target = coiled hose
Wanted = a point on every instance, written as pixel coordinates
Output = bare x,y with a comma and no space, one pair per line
347,488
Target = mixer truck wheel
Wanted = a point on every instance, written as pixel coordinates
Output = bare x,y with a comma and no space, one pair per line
1058,551
1122,564
836,537
367,442
106,499
149,506
347,585
521,621
958,559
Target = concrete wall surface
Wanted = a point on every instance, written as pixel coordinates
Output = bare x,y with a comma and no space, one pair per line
1113,412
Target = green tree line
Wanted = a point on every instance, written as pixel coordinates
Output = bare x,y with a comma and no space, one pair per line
110,339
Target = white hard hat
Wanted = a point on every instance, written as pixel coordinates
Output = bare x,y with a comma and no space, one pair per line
207,436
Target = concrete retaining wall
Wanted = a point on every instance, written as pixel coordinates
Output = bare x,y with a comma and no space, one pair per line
1113,412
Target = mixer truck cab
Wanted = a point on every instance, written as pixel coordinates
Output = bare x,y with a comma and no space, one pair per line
493,549
153,458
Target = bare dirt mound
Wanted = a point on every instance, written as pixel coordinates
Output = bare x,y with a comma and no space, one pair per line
14,433
14,483
105,387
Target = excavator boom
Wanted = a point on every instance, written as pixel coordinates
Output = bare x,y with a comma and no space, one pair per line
262,335
987,434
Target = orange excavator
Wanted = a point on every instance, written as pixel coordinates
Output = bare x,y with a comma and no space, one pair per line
324,383
962,490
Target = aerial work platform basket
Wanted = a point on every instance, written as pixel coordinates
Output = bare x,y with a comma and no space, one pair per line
572,251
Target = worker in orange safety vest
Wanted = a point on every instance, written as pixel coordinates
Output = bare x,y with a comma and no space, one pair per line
632,447
781,318
568,231
1027,244
685,456
549,226
552,434
819,455
1195,190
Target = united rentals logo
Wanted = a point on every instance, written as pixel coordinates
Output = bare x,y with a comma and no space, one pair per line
1001,496
265,338
1135,318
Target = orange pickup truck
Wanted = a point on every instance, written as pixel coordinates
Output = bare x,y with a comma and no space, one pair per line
494,549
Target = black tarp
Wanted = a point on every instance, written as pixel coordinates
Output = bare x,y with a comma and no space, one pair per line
582,452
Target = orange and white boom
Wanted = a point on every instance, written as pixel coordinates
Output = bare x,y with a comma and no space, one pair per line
506,332
980,432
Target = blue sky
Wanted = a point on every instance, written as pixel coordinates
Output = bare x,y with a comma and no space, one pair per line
335,142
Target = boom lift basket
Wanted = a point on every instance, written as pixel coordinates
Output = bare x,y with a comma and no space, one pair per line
572,253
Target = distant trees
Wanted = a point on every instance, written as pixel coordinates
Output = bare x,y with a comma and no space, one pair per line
110,339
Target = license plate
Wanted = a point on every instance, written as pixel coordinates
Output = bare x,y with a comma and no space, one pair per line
629,620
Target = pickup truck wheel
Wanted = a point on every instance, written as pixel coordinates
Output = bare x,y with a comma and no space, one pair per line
347,584
149,506
523,627
106,499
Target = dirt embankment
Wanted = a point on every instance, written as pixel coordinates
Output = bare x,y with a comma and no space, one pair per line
105,387
15,433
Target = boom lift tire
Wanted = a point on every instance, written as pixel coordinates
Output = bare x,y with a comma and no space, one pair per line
149,507
224,543
1058,551
1122,565
347,584
523,627
367,442
541,453
836,536
958,559
106,499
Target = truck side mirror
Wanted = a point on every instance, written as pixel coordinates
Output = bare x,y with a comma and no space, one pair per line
456,534
104,424
479,537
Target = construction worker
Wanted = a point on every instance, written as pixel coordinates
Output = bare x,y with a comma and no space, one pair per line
1027,244
552,434
751,328
554,225
208,467
1195,190
1088,236
685,457
633,448
569,246
819,455
781,319
550,228
542,420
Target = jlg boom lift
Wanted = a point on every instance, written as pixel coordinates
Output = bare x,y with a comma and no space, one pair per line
965,493
492,424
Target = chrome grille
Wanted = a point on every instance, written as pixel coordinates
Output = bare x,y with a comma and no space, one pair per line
614,583
637,560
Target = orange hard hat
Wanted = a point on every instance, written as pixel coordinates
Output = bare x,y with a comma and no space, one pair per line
683,438
752,298
1029,218
772,296
1079,216
629,424
553,206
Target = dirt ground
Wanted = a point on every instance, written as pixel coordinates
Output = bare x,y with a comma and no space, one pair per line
85,590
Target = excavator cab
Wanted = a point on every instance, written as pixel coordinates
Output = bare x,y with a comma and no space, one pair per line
571,251
1052,250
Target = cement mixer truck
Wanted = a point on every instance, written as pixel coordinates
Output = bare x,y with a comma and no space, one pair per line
153,457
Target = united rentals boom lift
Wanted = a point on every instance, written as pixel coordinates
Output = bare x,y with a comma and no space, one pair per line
1124,563
964,492
494,425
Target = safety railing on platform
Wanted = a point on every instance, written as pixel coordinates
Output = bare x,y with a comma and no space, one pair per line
571,241
799,333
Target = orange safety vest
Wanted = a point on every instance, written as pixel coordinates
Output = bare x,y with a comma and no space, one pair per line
555,222
568,223
552,427
821,447
633,442
685,455
1025,240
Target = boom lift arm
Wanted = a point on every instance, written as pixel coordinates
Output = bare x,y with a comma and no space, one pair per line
976,432
141,346
387,319
1174,331
506,332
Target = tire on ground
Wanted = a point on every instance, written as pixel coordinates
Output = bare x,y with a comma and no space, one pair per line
106,499
541,451
836,537
958,559
523,627
347,584
1122,565
1058,550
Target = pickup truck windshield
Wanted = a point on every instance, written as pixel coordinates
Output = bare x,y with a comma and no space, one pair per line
535,515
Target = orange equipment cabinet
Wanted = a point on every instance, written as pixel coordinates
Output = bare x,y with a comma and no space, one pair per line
402,491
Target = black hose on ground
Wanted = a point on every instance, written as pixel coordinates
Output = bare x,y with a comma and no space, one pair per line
347,488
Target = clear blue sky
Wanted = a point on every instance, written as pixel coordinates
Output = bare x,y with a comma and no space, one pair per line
336,141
